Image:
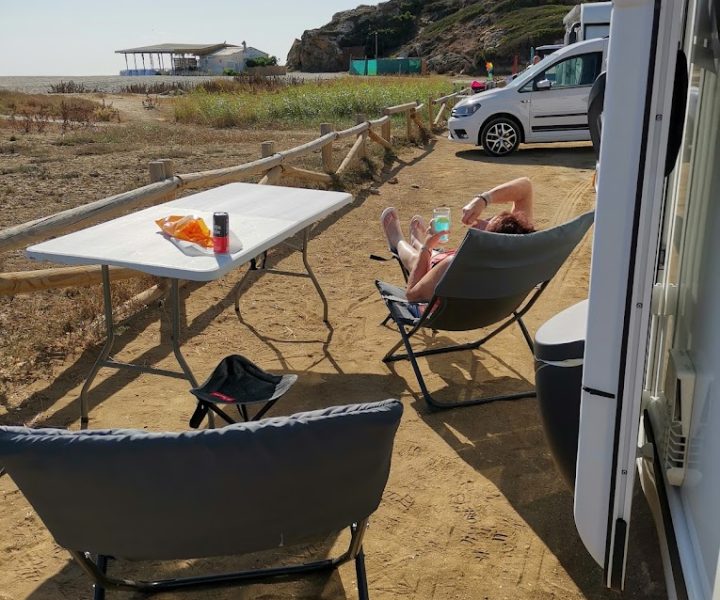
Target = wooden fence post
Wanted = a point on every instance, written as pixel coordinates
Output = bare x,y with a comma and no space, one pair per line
440,113
430,112
169,169
156,168
273,175
327,150
360,118
386,129
267,149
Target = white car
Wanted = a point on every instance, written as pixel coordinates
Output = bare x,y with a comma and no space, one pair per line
545,103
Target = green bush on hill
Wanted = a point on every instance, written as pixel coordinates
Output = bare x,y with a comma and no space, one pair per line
460,16
531,26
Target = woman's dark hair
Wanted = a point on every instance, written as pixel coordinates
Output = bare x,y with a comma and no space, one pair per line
513,223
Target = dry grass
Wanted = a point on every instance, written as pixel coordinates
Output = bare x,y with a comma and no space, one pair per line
16,102
39,112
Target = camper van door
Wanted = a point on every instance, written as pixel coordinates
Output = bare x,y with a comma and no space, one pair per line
641,62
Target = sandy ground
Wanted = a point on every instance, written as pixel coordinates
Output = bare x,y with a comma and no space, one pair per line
474,508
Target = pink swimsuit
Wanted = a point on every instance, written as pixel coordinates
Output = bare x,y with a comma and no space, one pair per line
438,257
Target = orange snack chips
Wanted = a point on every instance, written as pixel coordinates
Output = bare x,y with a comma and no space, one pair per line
188,228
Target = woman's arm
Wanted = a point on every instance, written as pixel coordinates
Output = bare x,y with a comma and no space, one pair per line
422,279
421,288
518,191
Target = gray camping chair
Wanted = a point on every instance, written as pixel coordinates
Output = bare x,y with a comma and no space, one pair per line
138,495
494,278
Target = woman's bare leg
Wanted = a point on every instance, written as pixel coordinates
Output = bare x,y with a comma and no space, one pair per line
418,230
407,253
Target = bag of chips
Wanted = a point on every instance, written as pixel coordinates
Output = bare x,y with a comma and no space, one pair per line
188,228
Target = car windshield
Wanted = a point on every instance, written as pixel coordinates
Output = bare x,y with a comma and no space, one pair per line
530,72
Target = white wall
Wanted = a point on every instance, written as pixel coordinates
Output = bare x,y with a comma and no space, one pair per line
217,63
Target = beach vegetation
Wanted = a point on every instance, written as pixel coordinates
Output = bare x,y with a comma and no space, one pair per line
73,87
12,102
34,112
305,103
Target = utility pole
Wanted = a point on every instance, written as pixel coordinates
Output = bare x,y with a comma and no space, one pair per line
376,45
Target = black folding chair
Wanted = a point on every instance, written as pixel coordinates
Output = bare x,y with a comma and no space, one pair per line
494,279
136,495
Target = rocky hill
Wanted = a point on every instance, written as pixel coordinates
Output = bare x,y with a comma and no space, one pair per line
455,36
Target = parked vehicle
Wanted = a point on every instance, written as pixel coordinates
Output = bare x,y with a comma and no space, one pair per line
649,397
545,103
587,21
543,51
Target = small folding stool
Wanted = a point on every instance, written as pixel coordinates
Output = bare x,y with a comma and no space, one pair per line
238,381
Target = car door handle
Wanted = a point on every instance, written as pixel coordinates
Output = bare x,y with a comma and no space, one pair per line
524,101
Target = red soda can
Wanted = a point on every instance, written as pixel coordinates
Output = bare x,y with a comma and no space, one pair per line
221,233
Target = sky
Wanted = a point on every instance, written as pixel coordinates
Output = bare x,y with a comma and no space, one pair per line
79,37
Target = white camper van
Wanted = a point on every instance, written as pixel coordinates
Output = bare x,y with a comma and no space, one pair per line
650,396
587,21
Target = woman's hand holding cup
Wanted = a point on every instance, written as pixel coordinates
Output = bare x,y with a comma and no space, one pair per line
433,236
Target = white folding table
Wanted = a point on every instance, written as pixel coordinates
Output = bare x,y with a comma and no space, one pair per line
261,216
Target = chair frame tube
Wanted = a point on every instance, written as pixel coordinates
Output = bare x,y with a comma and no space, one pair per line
412,355
97,571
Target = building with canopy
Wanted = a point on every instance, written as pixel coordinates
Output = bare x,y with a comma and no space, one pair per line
187,59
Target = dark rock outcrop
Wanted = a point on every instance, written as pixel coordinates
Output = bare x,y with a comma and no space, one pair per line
453,35
316,51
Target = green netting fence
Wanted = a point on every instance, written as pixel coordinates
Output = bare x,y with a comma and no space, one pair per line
386,66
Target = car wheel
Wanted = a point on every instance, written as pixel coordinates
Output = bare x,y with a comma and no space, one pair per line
500,136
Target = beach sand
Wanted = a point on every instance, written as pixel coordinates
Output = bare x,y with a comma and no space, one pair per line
474,508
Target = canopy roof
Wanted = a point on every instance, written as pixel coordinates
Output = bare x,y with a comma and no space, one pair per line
198,49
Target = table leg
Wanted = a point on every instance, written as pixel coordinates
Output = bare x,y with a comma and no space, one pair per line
236,290
105,360
175,301
107,348
306,239
262,269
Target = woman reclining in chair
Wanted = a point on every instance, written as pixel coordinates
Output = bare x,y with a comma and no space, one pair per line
426,268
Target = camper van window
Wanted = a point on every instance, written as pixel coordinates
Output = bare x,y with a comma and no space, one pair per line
574,71
596,31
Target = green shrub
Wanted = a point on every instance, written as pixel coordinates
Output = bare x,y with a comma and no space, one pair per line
261,61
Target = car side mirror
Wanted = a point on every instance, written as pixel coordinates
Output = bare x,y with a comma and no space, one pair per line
543,84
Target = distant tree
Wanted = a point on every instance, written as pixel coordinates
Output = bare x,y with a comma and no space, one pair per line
261,61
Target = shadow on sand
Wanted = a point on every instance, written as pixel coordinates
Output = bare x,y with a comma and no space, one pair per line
71,581
578,157
505,443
